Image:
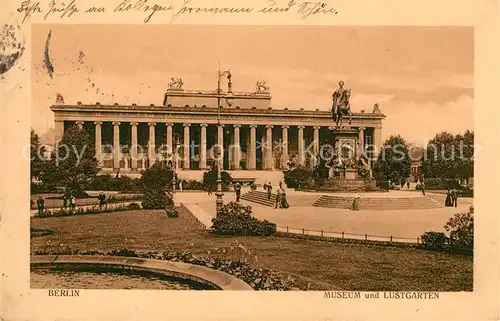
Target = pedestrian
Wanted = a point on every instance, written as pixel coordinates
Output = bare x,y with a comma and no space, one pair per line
423,188
40,202
408,184
269,190
278,198
65,201
454,197
209,189
355,202
73,202
180,186
237,189
102,199
448,200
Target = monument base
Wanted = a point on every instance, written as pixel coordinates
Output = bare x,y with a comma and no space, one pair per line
345,185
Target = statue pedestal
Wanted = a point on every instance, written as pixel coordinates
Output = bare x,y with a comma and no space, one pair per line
351,174
173,89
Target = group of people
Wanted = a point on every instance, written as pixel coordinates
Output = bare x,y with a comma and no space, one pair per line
69,200
451,198
280,201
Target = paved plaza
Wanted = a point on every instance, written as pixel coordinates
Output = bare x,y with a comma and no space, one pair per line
398,223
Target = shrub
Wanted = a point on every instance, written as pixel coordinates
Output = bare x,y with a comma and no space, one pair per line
461,229
236,219
297,177
133,206
210,179
39,188
434,240
418,187
383,184
156,199
192,185
172,212
124,184
466,192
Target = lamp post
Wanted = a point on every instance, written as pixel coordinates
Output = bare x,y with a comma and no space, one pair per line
229,100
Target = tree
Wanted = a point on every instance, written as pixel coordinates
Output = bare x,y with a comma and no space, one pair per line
156,181
72,164
210,178
37,156
449,156
461,229
159,176
394,162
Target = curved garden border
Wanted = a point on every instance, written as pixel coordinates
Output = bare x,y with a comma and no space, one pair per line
217,279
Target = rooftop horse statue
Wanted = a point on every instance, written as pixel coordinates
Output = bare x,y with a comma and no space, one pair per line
341,106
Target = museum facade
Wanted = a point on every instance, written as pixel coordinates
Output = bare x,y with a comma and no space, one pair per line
184,128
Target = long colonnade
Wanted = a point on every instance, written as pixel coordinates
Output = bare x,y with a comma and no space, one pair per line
229,136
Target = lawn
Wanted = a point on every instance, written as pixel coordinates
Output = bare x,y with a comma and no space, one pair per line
316,265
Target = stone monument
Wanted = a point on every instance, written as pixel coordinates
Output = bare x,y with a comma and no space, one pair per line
348,169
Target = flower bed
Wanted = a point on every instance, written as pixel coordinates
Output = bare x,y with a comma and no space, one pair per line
88,211
257,278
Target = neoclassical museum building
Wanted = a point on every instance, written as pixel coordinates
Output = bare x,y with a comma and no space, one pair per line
184,128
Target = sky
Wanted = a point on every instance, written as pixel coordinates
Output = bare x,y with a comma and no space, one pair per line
421,77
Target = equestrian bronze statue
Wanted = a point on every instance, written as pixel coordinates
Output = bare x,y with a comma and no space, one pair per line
341,106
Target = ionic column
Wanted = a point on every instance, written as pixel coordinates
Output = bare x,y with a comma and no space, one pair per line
58,130
116,145
300,141
98,141
269,146
316,144
133,148
220,146
236,144
253,153
361,140
170,146
377,140
203,146
186,162
151,144
79,123
284,137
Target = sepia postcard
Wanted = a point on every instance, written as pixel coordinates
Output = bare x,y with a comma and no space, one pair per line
216,160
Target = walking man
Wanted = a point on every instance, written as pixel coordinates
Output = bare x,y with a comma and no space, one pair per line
269,190
41,205
72,202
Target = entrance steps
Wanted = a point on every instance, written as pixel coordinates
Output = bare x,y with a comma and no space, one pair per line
379,203
260,198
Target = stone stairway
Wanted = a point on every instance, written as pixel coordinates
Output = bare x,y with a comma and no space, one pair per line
334,202
260,197
379,203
